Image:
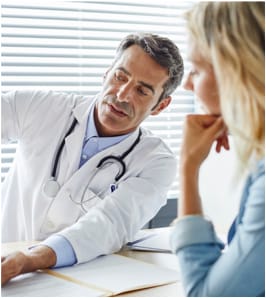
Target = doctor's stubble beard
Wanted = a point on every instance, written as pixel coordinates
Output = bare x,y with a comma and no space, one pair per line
123,106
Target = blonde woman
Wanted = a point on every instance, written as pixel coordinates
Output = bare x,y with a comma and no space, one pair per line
226,50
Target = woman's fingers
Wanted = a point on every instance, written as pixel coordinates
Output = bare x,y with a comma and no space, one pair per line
222,141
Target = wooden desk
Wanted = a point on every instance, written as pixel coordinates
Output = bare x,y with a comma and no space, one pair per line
162,259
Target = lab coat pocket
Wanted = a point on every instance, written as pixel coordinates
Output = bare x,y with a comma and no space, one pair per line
62,212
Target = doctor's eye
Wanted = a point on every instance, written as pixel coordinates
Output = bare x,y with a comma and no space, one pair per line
142,91
119,76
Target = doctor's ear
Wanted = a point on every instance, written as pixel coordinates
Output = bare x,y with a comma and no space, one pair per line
163,104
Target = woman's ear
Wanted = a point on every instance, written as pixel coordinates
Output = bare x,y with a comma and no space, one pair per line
163,104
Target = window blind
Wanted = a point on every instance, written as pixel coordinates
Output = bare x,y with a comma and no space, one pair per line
68,45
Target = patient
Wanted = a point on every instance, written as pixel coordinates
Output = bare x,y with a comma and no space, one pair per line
226,50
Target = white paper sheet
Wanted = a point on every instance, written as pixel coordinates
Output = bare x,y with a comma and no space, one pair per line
104,276
119,274
39,284
157,241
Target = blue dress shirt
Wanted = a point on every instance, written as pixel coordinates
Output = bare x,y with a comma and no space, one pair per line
239,271
93,144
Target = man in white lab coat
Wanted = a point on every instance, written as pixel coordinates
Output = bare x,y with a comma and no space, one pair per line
86,175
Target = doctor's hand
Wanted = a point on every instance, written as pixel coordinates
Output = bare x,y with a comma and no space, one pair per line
200,132
39,257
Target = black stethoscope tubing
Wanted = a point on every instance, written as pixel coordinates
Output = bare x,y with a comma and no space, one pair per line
119,159
59,151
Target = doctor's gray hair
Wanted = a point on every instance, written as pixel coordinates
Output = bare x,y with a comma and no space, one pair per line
163,51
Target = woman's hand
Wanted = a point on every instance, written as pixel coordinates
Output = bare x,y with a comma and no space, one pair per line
200,132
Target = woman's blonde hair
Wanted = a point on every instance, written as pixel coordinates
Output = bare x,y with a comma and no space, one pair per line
230,36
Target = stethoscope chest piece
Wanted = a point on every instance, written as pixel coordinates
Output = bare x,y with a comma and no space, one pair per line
51,188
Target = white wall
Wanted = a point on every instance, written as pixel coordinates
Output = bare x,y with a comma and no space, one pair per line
219,191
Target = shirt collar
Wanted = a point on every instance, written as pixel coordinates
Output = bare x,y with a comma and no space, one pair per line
91,130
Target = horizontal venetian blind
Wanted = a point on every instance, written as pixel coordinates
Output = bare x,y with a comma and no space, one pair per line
68,45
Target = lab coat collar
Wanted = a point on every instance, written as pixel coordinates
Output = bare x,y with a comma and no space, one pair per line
81,111
73,143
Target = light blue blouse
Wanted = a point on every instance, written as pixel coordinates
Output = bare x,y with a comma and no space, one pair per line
207,270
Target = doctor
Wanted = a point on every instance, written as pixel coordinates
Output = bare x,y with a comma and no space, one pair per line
86,175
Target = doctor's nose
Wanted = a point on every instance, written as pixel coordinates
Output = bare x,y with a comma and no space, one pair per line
125,93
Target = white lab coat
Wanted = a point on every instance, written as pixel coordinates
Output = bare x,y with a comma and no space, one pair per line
39,121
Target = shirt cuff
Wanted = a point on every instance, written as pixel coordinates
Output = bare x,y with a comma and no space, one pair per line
191,230
65,255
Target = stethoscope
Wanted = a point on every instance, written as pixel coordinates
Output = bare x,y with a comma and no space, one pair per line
51,187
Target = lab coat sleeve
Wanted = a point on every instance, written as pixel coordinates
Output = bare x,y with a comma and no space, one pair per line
114,222
27,110
10,120
20,110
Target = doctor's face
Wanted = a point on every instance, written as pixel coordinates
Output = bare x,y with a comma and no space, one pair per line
202,82
130,93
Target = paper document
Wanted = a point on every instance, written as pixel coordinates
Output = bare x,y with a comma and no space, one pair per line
104,276
39,284
147,240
